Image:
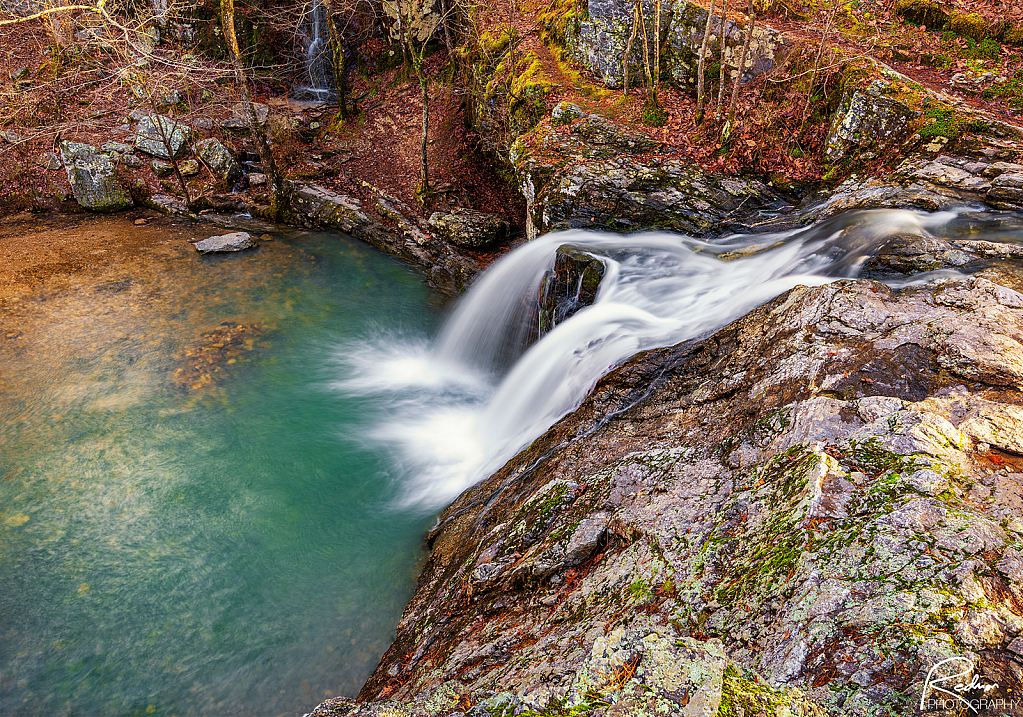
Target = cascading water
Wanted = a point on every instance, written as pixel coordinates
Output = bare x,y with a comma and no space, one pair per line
463,406
319,67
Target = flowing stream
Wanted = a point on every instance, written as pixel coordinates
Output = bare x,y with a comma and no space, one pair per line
459,407
215,473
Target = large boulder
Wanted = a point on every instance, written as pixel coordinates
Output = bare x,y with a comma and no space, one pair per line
162,137
93,178
219,160
868,121
469,228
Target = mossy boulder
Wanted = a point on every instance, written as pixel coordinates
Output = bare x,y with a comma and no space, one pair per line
868,121
969,25
219,160
928,13
162,137
93,177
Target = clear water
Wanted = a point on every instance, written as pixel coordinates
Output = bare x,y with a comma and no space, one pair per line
191,529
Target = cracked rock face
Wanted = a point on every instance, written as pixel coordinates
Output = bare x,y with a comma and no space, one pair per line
799,515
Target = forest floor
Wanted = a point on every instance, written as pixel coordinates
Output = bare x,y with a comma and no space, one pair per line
82,91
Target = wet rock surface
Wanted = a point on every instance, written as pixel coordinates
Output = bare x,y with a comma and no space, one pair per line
235,241
801,514
570,285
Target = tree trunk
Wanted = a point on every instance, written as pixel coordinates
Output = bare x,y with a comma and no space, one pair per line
700,64
721,47
278,191
628,48
338,56
657,48
424,186
738,79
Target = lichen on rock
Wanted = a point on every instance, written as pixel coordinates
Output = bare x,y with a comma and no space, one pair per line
801,514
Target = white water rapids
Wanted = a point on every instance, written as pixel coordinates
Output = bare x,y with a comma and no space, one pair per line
461,406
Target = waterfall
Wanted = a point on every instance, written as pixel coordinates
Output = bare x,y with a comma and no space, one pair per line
463,406
318,57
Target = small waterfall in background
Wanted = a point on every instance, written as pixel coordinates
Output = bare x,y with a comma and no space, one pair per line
318,58
461,407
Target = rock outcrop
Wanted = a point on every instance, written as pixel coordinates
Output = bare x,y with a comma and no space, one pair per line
595,174
802,514
448,267
599,41
470,228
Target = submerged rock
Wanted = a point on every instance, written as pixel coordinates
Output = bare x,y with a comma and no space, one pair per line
570,285
93,178
236,241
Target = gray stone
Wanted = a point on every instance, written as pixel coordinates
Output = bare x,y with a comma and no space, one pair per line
188,168
256,179
469,228
997,169
161,169
868,120
93,178
262,113
49,161
129,160
566,113
927,481
170,99
203,123
10,137
162,137
236,241
219,160
118,148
